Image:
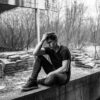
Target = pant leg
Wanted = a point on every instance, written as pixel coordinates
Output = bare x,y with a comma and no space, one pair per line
41,61
55,79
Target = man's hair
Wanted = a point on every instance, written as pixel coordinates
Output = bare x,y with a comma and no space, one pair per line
51,36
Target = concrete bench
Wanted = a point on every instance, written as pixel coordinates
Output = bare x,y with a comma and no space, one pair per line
80,87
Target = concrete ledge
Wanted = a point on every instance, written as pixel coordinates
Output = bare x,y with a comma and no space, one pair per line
86,87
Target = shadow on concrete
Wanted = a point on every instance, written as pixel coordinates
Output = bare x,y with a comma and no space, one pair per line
98,98
6,7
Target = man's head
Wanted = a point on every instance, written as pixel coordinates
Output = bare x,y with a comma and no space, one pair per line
51,40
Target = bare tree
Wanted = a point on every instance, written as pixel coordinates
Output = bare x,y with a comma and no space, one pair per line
29,27
18,31
74,18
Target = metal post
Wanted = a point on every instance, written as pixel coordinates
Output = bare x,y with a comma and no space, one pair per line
37,24
36,21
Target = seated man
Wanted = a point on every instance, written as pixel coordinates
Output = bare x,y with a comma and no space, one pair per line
57,70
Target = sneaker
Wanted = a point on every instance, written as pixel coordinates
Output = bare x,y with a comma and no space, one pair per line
30,85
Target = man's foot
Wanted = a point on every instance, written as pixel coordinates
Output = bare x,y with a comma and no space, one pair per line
30,85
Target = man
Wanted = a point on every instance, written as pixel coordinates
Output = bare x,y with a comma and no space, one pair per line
57,70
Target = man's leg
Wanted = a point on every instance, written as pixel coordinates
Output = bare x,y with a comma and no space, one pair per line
39,61
55,79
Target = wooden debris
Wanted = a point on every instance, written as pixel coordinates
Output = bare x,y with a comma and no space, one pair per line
82,59
14,62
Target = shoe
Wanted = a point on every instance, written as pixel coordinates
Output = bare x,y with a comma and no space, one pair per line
30,85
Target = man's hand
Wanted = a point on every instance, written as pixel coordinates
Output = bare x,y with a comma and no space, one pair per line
48,75
44,36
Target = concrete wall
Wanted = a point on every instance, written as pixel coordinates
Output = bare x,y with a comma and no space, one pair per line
83,88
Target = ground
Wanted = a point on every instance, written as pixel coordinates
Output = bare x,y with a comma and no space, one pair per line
13,84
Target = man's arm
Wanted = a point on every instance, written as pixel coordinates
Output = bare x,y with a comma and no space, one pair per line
38,49
65,67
